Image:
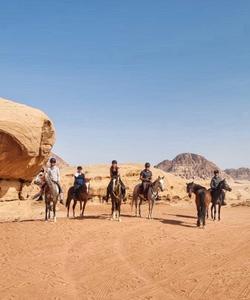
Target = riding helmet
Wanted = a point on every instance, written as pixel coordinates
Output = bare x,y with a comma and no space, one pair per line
114,162
147,165
52,160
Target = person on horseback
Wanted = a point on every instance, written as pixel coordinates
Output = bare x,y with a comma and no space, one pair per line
146,178
54,173
215,181
114,174
79,181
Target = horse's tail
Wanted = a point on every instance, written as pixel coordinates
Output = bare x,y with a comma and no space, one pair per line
69,197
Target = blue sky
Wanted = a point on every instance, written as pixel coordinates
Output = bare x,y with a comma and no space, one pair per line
133,80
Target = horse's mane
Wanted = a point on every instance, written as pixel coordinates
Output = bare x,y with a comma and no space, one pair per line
199,187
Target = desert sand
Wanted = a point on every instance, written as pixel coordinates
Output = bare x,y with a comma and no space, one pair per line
95,258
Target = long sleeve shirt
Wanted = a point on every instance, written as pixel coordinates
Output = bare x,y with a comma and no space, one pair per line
54,173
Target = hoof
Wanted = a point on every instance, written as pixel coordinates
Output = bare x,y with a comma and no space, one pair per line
119,220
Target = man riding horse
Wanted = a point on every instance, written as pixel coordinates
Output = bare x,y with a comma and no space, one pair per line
146,178
214,185
79,182
114,174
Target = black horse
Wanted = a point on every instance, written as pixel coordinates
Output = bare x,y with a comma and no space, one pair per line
217,198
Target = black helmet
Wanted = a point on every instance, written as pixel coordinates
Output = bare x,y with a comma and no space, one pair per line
114,162
147,165
216,172
52,160
79,168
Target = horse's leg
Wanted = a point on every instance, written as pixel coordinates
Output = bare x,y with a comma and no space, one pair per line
219,211
215,211
136,206
54,210
46,211
152,207
68,207
119,210
140,203
49,209
74,206
83,208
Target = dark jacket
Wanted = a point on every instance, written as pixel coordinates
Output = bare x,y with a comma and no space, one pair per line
146,175
215,182
79,180
114,172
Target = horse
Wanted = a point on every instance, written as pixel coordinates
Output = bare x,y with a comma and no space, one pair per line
51,191
203,198
51,197
82,197
152,195
217,198
117,195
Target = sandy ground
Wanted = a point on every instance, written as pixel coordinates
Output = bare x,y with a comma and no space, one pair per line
94,258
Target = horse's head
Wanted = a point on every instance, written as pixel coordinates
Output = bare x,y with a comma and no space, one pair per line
40,179
160,181
87,183
223,185
190,187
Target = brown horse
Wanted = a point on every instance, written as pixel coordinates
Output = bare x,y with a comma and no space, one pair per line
117,196
217,195
152,194
202,199
82,196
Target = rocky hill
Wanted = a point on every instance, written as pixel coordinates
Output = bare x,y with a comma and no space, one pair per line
60,162
239,174
190,166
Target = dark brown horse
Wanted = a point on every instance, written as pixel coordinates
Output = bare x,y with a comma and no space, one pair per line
202,199
82,196
117,196
217,199
152,194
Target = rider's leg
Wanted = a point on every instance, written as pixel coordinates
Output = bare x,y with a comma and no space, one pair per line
60,193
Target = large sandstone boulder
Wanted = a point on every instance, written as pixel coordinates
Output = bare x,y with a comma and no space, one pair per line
26,139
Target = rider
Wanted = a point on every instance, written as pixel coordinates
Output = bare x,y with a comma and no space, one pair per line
54,173
79,180
114,173
215,181
146,177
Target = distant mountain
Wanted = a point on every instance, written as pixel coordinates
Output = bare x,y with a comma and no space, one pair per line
60,162
239,174
190,166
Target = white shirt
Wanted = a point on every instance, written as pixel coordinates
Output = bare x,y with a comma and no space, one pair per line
54,173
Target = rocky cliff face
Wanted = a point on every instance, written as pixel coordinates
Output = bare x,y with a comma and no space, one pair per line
26,139
239,174
189,166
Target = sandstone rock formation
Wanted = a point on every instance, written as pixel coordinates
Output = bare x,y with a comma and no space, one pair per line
190,166
26,139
